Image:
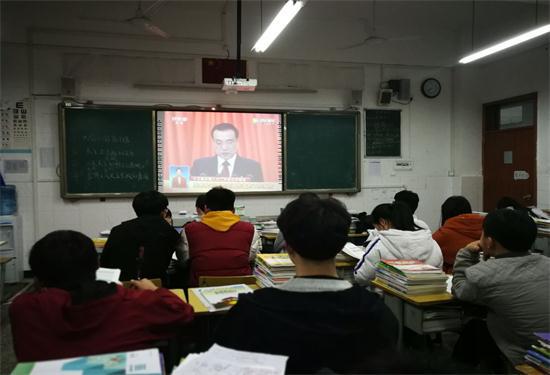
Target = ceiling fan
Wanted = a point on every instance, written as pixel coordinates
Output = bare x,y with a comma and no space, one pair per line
141,19
372,37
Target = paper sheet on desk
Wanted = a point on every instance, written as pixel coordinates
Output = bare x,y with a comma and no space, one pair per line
220,360
354,251
110,275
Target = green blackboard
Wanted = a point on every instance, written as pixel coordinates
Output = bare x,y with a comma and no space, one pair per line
383,132
321,151
106,151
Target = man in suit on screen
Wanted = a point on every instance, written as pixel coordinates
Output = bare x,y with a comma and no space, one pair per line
226,162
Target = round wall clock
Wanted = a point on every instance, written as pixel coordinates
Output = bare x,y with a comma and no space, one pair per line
431,88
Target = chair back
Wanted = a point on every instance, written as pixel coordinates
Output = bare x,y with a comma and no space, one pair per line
226,280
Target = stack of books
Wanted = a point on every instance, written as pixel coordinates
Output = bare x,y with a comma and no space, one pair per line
412,277
273,269
539,354
543,226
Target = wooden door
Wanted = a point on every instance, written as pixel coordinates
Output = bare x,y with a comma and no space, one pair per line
509,151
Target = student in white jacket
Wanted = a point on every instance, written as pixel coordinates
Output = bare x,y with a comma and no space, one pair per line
396,237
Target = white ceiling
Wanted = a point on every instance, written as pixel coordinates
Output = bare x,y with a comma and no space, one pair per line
441,30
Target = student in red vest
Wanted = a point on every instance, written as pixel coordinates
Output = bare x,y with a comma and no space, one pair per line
71,314
459,227
220,244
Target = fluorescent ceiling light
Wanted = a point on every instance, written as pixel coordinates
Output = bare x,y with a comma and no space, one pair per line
506,44
283,18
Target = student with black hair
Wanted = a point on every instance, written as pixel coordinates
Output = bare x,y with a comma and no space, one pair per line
200,205
510,281
316,318
410,198
459,227
71,314
143,247
396,236
279,244
220,244
168,217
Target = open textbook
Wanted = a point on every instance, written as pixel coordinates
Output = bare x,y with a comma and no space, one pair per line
217,298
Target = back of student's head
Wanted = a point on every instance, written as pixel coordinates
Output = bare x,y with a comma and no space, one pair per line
454,206
64,259
515,230
308,195
408,197
398,214
509,202
220,199
200,203
149,203
316,229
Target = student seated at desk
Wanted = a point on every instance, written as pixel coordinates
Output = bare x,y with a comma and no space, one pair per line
410,198
511,282
317,319
200,205
220,244
396,237
72,314
143,247
279,244
459,227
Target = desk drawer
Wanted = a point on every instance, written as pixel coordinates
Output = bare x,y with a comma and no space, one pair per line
431,319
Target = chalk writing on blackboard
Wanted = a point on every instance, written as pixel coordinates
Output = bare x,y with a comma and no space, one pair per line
383,133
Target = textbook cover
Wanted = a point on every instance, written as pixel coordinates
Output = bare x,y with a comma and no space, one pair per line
139,362
218,298
275,260
409,267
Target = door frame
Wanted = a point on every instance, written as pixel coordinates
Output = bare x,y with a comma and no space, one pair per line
485,124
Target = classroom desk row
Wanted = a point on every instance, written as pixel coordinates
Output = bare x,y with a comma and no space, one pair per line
410,311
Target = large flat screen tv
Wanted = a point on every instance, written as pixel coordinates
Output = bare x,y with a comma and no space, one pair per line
238,150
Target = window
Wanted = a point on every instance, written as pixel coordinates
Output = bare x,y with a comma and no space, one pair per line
510,113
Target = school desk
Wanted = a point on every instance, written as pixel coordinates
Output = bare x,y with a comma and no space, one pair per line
411,310
179,293
527,369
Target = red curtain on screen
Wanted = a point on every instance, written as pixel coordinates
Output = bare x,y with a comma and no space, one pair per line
187,137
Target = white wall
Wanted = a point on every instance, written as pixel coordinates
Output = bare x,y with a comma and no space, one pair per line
441,136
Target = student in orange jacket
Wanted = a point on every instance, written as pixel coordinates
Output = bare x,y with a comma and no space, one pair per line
459,227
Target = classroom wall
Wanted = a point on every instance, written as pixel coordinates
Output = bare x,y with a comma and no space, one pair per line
436,133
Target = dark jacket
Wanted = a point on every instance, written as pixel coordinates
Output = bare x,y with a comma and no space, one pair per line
327,329
208,167
153,234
